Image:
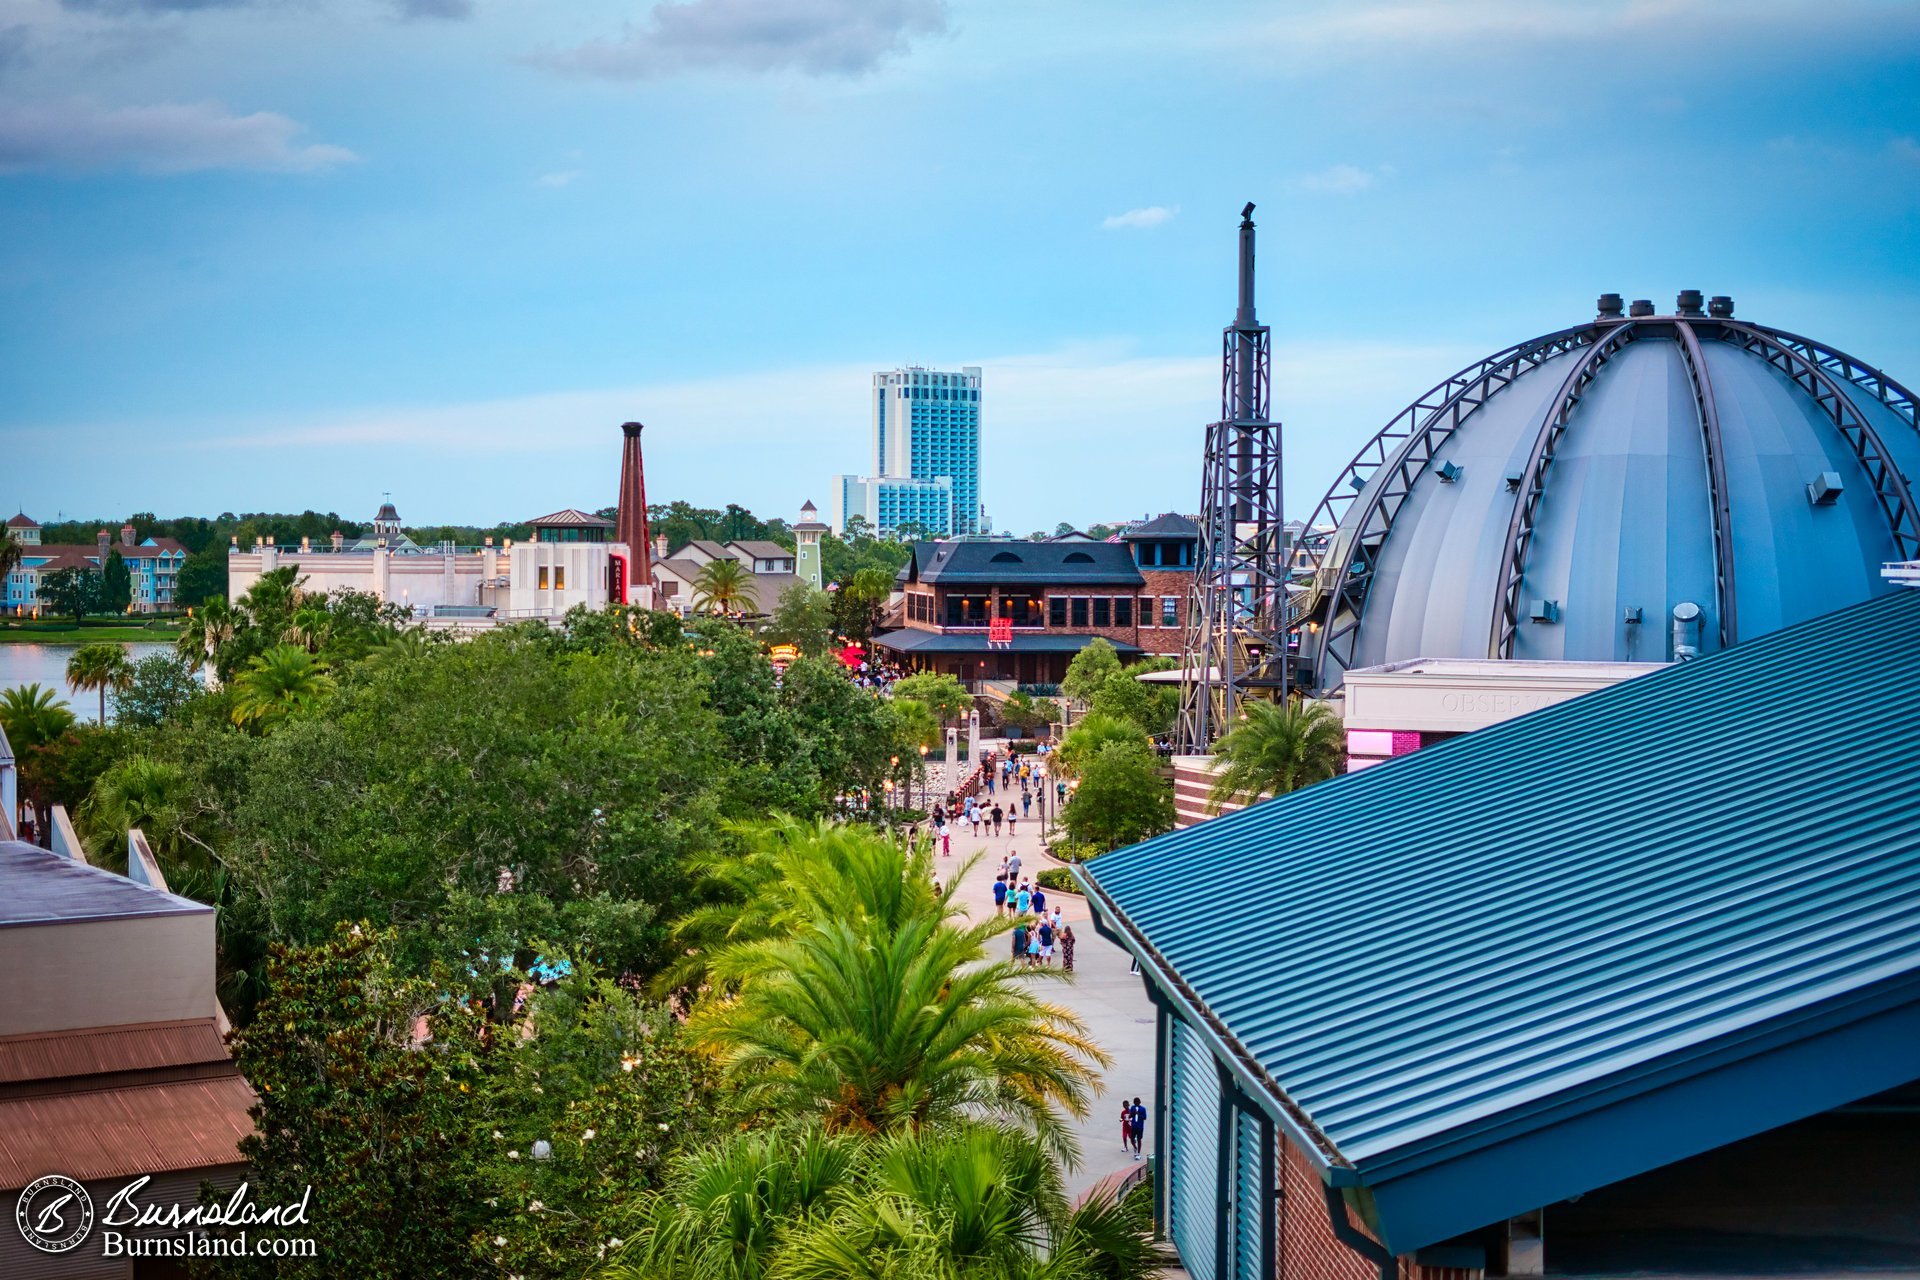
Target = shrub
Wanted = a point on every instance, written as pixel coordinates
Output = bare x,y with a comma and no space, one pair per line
1059,878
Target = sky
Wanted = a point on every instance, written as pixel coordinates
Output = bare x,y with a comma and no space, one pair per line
289,254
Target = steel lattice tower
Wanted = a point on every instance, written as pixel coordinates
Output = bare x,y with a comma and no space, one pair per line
1236,612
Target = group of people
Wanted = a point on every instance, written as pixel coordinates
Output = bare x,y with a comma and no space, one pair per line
1037,930
1133,1125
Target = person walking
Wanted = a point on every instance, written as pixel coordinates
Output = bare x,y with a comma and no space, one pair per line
1026,802
1066,948
1139,1113
999,894
946,843
1046,942
1033,949
1013,823
1020,942
998,816
1023,899
1013,868
1039,900
1126,1125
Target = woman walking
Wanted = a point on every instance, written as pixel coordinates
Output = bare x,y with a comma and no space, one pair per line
1066,948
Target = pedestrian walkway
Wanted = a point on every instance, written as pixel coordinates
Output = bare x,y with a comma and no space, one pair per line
1112,1003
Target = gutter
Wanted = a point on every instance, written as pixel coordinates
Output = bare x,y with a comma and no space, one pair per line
1357,1240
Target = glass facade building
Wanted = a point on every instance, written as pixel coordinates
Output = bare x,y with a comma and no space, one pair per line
926,432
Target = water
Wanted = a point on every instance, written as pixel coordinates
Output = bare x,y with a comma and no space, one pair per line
46,665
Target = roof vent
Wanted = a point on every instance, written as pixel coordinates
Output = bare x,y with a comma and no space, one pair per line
1449,472
1688,303
1513,481
1005,557
1076,557
1640,307
1631,615
1545,611
1686,631
1824,489
1720,306
1611,308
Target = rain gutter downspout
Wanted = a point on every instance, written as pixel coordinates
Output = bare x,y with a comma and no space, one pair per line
1357,1240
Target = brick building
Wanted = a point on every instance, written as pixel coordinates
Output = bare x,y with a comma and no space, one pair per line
1629,985
1050,599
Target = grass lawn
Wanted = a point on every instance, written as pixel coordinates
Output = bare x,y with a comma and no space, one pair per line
66,633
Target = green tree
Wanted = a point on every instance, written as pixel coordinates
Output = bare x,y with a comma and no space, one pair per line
881,1012
209,627
941,694
100,667
284,680
139,792
116,584
32,715
859,603
915,727
1120,798
353,1106
803,618
203,577
723,586
1276,749
71,593
1123,696
1085,740
1024,711
157,688
10,555
1089,669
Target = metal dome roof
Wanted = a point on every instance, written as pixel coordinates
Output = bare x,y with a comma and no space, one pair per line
1560,499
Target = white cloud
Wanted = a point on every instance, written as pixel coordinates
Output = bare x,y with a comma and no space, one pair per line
563,178
1140,219
1344,179
164,138
814,37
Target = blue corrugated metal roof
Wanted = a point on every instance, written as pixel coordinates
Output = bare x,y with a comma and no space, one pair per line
1557,905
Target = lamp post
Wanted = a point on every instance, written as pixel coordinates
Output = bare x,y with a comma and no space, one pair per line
925,796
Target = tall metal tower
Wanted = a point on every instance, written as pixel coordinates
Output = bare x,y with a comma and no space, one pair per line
1236,613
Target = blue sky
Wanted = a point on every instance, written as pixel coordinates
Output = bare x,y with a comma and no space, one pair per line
271,254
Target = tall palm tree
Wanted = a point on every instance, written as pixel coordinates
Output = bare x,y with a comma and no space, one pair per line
1276,749
723,586
277,683
10,554
100,667
208,627
139,791
310,624
880,1012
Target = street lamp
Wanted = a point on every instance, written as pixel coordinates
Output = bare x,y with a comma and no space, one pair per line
925,797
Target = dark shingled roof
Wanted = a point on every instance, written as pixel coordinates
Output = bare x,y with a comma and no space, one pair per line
986,563
38,887
1170,525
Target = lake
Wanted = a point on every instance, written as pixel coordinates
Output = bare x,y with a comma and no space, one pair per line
46,664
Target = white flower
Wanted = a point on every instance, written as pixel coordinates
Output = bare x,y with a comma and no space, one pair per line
616,1242
496,1133
536,1206
499,1242
662,1126
513,1155
587,1136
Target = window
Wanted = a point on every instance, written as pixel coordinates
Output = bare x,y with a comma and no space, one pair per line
1079,611
1123,611
1057,611
1146,611
1102,611
543,577
1169,611
560,577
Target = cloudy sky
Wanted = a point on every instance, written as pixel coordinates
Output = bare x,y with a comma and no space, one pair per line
270,254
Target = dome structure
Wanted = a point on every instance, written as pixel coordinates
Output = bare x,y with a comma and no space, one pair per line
1637,488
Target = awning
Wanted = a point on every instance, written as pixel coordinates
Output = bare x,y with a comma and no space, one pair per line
909,640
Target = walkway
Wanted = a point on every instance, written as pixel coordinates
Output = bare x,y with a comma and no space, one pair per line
1113,1004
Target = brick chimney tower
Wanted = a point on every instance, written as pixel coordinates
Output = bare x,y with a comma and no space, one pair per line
630,525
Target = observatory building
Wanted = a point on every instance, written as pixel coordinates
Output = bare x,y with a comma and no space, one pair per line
1636,489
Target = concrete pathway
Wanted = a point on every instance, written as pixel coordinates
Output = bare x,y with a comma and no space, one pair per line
1112,1003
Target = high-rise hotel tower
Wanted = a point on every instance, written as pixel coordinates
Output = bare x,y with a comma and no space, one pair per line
926,455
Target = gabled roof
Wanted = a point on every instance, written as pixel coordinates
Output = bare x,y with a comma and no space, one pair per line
21,521
1574,946
1171,525
760,549
572,517
986,563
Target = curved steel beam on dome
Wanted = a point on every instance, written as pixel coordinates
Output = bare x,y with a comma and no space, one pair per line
1709,413
1462,394
1520,526
1861,374
1889,485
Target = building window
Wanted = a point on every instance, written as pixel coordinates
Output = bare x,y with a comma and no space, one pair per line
560,577
1057,611
1079,611
1102,611
1169,611
1123,611
543,577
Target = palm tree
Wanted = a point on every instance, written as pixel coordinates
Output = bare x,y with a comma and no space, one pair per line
722,586
971,1203
100,667
879,1011
1276,749
277,683
32,716
139,792
208,627
1084,740
310,624
10,554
